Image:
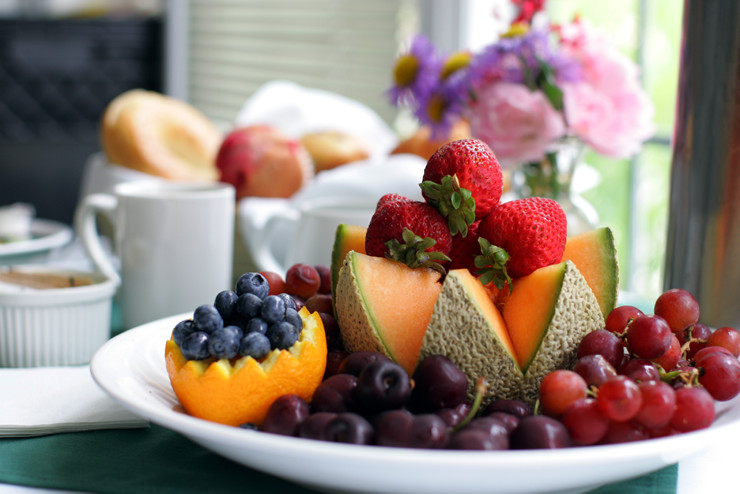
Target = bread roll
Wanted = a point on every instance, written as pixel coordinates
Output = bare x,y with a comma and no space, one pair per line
330,149
159,135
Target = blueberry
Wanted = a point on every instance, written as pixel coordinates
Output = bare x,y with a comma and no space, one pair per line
291,316
182,329
255,345
195,346
224,342
225,304
253,283
273,309
207,319
282,335
289,300
248,305
256,325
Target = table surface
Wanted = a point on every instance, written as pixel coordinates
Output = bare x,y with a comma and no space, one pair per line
712,470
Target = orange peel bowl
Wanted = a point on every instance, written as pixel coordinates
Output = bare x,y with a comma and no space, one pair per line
240,392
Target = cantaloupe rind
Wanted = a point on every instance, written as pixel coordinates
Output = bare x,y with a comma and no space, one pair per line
595,254
240,392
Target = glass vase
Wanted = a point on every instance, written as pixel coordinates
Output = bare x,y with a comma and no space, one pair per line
553,178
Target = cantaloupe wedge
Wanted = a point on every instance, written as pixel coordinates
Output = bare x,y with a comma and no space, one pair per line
347,238
595,254
543,320
384,306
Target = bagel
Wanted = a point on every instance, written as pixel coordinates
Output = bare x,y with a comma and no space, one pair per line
159,135
330,149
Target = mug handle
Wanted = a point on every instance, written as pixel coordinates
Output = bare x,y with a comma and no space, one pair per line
262,253
87,231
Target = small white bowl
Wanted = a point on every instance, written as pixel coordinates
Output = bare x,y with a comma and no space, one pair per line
53,326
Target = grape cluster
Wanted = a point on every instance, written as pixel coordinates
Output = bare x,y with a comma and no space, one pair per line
258,316
372,400
645,375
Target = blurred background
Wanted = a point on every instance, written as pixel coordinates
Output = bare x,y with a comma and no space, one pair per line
62,61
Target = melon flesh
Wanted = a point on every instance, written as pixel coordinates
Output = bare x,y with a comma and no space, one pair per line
385,306
595,254
542,322
347,238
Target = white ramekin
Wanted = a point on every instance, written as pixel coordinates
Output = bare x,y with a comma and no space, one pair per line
57,326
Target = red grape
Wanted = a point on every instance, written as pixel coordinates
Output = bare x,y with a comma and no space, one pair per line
594,369
559,389
277,284
720,375
696,336
325,275
624,432
658,402
585,421
619,318
694,409
619,398
639,370
678,307
302,280
670,359
707,351
648,336
604,343
726,337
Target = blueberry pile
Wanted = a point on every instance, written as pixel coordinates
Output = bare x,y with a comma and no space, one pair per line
246,321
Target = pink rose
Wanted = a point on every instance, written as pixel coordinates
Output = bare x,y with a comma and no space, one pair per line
518,124
614,124
607,109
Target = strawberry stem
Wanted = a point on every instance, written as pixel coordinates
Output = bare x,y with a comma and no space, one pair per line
413,252
492,264
452,201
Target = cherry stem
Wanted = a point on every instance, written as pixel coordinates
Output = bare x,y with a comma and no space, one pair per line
481,388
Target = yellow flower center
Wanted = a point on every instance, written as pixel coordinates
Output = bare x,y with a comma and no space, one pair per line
406,70
436,108
455,62
515,30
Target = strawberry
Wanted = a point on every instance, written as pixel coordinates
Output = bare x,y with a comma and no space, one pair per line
463,180
519,237
465,249
408,231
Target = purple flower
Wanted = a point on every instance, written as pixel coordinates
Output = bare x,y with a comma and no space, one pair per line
415,73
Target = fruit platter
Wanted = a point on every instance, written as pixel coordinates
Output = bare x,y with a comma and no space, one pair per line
451,341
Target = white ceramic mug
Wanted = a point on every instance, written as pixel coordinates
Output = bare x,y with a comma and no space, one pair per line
174,242
312,225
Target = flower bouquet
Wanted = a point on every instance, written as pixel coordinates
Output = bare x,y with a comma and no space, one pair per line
537,96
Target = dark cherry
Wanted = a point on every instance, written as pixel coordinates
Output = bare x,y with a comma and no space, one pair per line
285,415
453,416
539,432
514,407
356,361
335,394
475,439
382,385
400,428
508,420
314,426
334,359
438,383
494,427
349,428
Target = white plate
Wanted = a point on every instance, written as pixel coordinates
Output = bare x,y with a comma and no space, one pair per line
47,235
131,368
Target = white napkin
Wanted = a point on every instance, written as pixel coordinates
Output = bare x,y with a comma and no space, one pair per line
48,400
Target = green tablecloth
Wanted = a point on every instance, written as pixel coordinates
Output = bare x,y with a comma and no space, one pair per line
158,461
